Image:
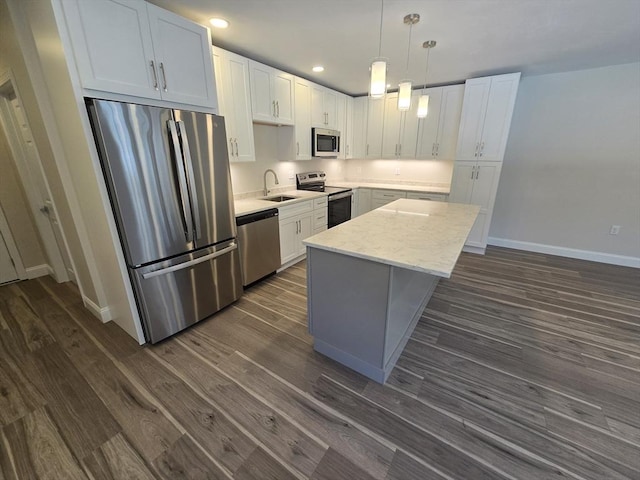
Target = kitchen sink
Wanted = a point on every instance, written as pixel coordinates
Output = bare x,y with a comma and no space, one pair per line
279,198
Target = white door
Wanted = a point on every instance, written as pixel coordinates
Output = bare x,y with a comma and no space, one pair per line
462,182
262,106
318,117
27,160
449,122
498,117
112,46
8,271
428,126
303,119
485,185
474,107
283,95
409,129
391,130
236,91
289,244
305,231
331,108
183,53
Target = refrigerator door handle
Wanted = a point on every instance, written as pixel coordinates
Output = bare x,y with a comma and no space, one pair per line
190,263
191,181
182,181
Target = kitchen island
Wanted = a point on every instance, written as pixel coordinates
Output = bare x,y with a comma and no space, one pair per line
369,279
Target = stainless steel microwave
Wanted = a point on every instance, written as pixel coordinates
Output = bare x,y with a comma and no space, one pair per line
325,143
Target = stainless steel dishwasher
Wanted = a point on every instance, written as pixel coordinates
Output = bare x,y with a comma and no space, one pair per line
259,245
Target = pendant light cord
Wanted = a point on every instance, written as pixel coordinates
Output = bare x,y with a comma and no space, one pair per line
381,16
426,70
409,49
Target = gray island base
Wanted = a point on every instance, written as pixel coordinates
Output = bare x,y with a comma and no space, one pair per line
370,279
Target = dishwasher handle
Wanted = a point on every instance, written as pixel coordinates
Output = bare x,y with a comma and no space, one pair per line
256,217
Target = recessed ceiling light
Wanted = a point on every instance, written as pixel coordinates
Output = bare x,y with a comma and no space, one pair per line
219,22
318,68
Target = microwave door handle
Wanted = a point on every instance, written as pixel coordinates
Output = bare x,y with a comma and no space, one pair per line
191,181
182,181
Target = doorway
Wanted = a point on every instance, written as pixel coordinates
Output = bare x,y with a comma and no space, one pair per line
27,161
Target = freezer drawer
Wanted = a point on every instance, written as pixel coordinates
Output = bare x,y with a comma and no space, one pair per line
177,293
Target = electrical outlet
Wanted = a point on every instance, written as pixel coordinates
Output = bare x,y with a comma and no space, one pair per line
614,230
291,175
397,171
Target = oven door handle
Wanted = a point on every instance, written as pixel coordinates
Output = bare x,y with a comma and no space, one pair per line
338,196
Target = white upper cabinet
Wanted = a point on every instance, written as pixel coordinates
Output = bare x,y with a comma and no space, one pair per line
324,108
375,124
183,53
272,95
486,117
400,128
347,137
134,48
438,131
359,123
234,95
303,119
341,123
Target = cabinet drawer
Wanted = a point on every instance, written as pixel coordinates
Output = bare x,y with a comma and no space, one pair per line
320,202
388,195
295,209
320,218
438,197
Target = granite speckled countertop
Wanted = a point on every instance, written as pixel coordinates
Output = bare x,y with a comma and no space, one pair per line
412,234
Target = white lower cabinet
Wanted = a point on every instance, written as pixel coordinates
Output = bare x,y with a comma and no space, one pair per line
320,214
476,183
364,201
300,221
380,198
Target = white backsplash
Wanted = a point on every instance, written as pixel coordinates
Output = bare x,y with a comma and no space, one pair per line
247,178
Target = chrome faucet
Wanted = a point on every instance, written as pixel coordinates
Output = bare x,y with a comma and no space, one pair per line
275,176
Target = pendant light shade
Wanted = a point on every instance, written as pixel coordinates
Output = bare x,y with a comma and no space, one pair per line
404,95
378,87
378,83
423,106
404,87
423,103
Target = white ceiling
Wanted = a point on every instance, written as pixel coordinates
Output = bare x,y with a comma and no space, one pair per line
475,37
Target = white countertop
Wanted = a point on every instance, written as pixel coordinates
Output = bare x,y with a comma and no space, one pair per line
412,234
253,205
392,186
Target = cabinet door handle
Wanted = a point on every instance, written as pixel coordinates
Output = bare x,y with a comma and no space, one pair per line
273,103
297,148
164,76
367,150
278,109
347,149
231,145
155,74
477,147
437,149
433,149
399,149
236,142
481,148
477,172
473,170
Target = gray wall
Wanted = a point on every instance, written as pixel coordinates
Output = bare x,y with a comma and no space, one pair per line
572,164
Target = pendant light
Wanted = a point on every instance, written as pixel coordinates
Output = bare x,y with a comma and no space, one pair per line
404,87
423,103
378,84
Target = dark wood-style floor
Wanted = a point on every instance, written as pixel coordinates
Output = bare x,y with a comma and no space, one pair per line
524,366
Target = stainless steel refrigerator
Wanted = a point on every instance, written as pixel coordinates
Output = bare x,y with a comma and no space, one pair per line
167,173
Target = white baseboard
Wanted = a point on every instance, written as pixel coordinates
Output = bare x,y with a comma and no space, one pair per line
103,314
567,252
39,271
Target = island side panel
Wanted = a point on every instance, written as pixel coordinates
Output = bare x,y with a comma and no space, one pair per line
410,291
347,307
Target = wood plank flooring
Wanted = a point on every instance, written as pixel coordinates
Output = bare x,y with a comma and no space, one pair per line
523,366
